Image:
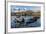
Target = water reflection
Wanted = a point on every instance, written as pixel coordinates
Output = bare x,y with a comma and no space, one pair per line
25,21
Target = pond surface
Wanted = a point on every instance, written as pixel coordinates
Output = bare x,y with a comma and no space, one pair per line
27,22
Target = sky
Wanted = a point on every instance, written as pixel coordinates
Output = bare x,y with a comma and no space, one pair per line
33,8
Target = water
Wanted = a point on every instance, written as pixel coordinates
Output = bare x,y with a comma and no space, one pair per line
26,23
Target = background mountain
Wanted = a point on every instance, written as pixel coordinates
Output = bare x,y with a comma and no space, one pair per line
26,13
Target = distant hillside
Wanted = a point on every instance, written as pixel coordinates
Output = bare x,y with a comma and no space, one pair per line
36,14
26,13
